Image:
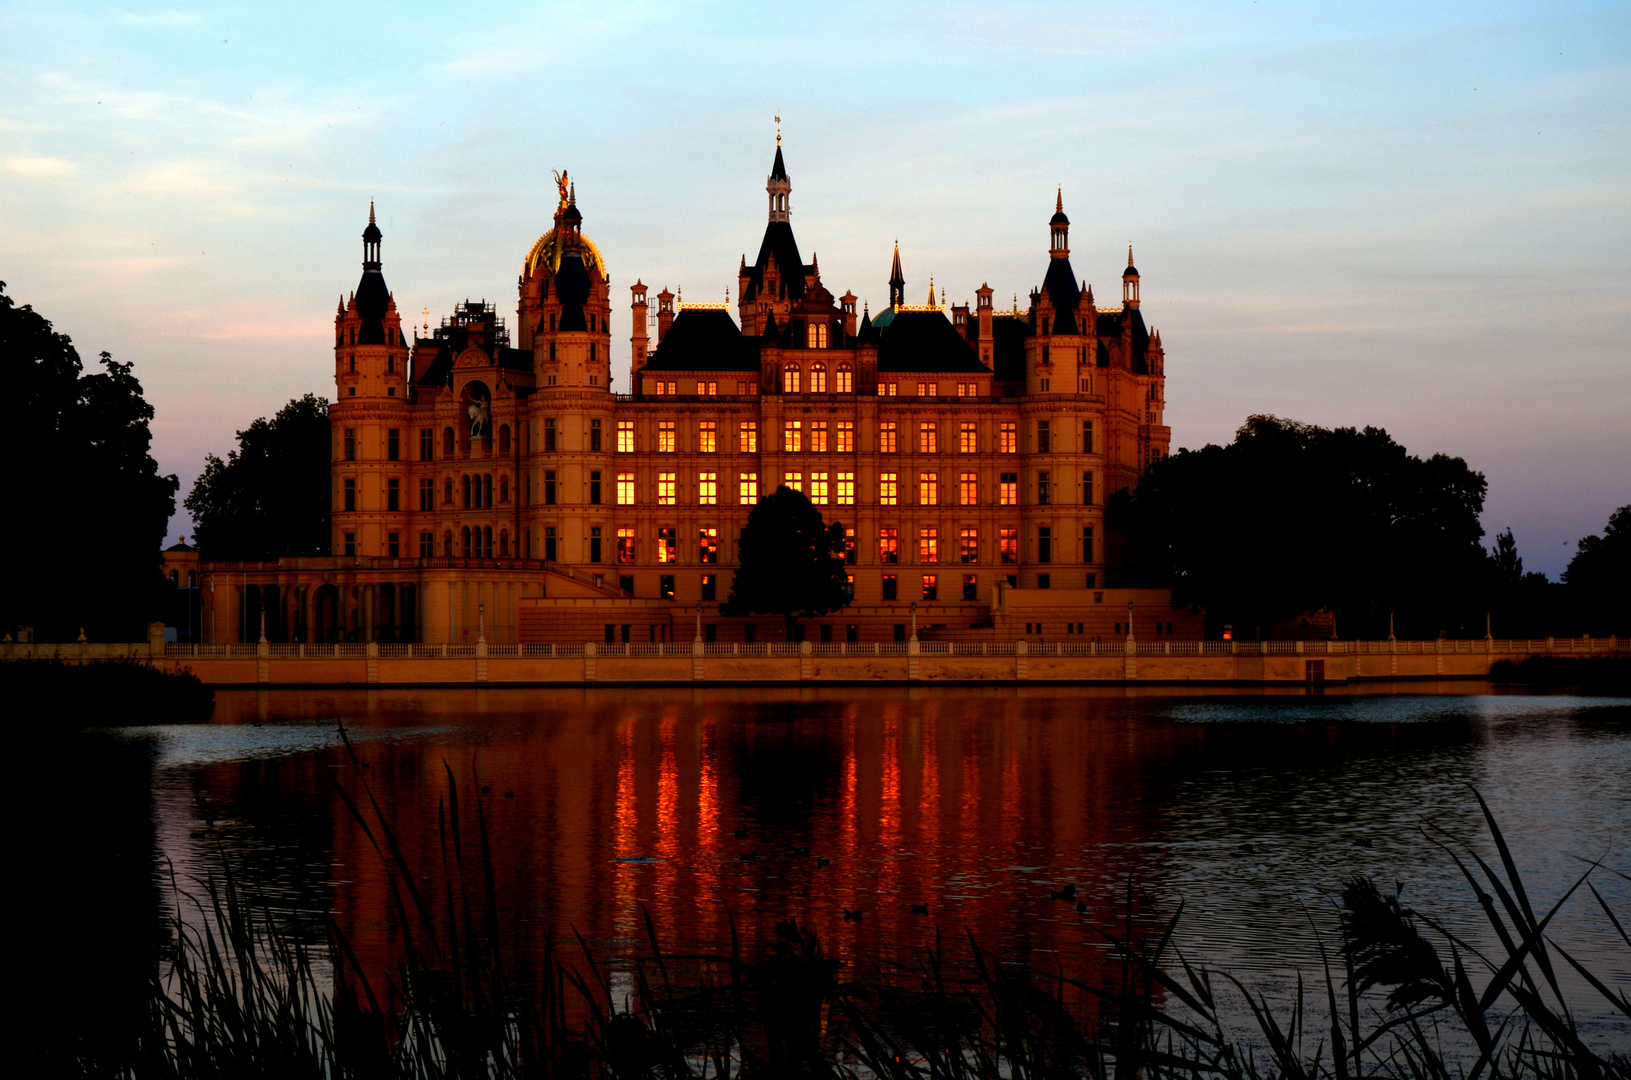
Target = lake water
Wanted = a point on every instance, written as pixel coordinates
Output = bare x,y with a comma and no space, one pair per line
708,807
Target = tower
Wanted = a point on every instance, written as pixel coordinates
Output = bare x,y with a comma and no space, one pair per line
370,414
1129,282
897,281
638,339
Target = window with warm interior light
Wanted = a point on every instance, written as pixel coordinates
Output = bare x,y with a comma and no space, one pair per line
625,489
888,489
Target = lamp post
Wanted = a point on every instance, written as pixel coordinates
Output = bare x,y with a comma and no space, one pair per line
699,620
1129,620
481,622
914,620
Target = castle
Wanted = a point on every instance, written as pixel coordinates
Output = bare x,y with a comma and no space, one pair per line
495,486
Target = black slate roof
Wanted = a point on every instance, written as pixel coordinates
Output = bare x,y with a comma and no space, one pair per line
778,241
704,339
1008,334
372,298
922,341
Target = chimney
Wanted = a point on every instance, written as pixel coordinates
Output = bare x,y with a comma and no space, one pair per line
665,314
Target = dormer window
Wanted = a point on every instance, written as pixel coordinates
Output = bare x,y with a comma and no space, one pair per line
816,338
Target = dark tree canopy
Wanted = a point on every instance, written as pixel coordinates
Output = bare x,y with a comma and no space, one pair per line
1292,518
1599,578
791,562
98,505
270,498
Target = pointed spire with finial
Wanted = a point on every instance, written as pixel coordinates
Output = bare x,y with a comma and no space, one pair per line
931,291
897,280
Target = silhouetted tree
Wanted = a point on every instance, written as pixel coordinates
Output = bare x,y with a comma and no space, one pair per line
270,498
1522,604
1292,518
91,506
791,563
1598,578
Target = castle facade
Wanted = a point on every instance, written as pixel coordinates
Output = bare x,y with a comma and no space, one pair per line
491,483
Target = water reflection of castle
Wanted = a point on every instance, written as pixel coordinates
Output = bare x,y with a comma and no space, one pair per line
976,804
968,451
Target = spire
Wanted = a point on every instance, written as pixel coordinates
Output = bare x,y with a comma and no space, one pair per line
777,185
1129,282
897,280
931,291
1059,228
371,236
1129,256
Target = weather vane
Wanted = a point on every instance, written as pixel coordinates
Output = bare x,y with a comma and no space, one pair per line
778,129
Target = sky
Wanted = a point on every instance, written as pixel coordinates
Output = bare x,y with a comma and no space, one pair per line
1412,216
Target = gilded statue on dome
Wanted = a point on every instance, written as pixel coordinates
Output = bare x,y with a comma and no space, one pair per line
563,183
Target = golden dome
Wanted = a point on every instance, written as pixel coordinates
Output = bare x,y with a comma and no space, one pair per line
546,250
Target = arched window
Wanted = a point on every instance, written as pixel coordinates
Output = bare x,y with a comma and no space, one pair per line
504,438
467,541
447,442
790,379
816,336
466,492
503,489
504,542
818,379
843,380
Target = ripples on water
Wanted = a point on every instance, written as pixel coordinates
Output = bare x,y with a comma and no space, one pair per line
1251,810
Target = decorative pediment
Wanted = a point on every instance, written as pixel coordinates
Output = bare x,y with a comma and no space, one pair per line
473,357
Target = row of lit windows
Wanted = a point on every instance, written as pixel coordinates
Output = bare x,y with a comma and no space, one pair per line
821,487
928,389
824,488
798,436
889,541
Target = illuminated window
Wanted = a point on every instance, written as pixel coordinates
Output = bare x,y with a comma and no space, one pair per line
708,546
843,380
1008,438
707,489
1008,490
707,389
625,489
968,489
931,586
1008,544
928,545
665,437
968,439
886,438
665,489
666,552
888,389
969,545
968,389
747,486
928,442
625,545
849,556
818,488
818,436
706,437
888,489
818,372
927,389
816,338
793,480
748,437
625,436
846,489
889,545
928,489
747,388
790,379
793,436
844,437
